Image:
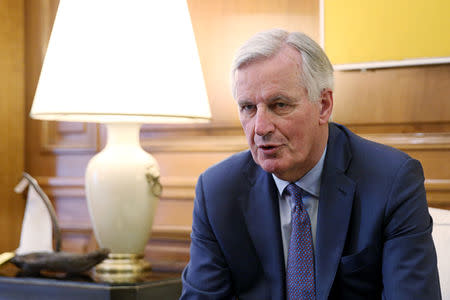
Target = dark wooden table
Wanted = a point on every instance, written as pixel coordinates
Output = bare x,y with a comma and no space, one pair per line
157,285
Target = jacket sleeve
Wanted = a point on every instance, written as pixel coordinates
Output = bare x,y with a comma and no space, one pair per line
409,257
207,275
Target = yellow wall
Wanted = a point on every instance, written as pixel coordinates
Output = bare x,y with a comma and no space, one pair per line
367,31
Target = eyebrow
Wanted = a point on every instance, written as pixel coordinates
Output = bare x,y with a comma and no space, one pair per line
269,101
280,97
244,102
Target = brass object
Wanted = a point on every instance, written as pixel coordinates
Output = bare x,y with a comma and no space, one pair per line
152,176
5,257
122,268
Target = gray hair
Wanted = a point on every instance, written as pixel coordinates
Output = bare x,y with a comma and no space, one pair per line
316,73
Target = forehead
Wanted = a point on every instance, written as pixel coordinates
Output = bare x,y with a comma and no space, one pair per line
278,73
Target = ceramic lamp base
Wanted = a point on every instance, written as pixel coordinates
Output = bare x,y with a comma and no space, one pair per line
122,268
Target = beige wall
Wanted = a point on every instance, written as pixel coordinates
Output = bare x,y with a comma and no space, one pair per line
404,107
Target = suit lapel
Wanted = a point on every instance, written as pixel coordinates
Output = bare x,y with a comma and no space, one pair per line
261,210
335,206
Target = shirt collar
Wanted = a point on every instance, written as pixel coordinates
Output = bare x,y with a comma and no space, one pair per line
310,182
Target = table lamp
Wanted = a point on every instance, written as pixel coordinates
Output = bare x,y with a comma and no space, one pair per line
122,63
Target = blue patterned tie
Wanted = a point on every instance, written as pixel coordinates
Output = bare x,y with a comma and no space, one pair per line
300,264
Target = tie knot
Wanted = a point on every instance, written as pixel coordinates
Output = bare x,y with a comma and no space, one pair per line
295,192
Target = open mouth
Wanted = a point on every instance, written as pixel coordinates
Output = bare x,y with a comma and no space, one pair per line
267,147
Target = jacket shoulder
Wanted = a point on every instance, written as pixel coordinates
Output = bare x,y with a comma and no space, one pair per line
229,172
370,152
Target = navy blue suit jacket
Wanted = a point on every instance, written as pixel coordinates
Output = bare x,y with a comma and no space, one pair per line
373,228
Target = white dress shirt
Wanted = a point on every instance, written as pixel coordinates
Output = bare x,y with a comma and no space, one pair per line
310,185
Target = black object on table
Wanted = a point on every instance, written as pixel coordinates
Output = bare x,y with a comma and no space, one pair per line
157,285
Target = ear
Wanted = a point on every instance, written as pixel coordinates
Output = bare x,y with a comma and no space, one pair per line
326,106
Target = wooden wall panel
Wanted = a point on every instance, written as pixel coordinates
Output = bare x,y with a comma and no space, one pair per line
12,115
410,95
68,138
407,108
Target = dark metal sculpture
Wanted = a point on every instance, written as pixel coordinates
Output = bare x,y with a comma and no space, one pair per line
34,263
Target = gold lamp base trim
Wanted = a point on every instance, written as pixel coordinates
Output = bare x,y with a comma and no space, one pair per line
122,268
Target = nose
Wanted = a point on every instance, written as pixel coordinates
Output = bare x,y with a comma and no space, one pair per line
263,122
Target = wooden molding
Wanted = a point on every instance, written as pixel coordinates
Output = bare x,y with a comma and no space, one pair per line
62,186
159,232
60,182
236,143
207,143
171,232
174,187
413,141
437,185
71,138
404,128
438,192
81,228
192,127
178,188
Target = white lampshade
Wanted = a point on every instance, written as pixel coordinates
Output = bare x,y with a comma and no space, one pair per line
122,60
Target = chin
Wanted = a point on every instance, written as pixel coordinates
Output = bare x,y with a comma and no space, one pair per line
270,167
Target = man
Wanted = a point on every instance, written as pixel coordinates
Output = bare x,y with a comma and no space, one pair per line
312,211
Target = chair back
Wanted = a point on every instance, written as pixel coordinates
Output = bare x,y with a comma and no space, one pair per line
441,238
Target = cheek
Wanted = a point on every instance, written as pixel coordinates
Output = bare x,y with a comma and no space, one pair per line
303,141
298,138
248,130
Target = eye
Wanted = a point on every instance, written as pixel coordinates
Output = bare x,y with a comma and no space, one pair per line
280,107
247,107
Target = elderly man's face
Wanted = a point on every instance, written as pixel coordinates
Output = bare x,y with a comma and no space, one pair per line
286,132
